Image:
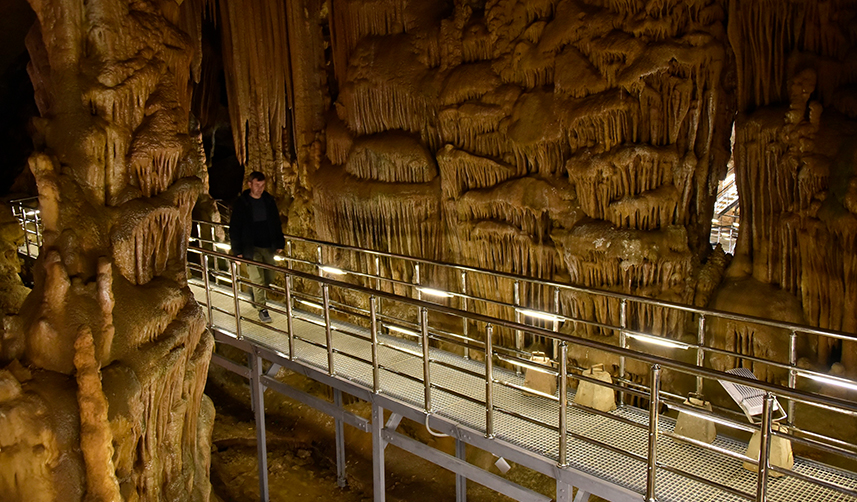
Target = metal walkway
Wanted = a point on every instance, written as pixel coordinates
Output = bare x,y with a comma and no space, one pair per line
627,454
430,355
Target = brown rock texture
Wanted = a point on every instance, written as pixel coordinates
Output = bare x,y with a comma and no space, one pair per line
796,164
111,327
572,140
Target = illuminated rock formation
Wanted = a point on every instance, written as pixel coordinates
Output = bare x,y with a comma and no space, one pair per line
795,162
575,140
112,405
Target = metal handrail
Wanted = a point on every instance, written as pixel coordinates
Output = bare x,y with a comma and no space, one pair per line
802,328
656,395
624,333
560,340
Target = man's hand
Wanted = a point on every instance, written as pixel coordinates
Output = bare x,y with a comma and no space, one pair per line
279,251
239,256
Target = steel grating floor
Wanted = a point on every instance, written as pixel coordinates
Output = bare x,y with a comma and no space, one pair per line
352,361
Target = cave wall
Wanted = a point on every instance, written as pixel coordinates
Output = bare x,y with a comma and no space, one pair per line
796,171
108,403
579,141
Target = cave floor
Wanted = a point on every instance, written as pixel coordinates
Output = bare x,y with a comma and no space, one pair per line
301,456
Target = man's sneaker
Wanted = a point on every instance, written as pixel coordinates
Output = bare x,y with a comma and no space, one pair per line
264,316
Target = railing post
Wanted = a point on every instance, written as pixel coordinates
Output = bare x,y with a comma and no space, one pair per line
426,360
764,448
489,382
417,280
376,373
654,404
556,320
563,404
26,231
318,259
378,284
258,399
37,220
325,294
792,372
233,269
465,326
700,351
519,335
623,324
289,253
289,324
207,284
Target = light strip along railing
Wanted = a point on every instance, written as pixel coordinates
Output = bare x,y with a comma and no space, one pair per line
656,459
27,212
467,300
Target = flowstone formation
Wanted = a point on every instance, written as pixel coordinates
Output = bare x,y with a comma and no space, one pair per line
796,170
572,140
108,403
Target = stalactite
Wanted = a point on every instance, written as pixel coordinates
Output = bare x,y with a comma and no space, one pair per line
398,217
255,56
393,157
355,19
339,140
623,173
462,171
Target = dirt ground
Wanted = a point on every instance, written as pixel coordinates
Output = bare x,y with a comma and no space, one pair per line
301,455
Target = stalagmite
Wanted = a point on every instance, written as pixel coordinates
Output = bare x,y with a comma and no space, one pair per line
117,347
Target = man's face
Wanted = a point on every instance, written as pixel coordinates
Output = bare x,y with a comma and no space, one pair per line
256,188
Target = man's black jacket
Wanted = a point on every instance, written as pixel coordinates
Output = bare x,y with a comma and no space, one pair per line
241,225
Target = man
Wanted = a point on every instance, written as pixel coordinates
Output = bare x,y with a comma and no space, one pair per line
257,234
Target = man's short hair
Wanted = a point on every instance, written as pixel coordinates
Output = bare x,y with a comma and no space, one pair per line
256,176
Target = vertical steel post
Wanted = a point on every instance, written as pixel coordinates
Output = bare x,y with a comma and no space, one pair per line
700,351
258,400
26,230
563,404
417,280
654,404
489,382
289,253
318,259
289,323
792,372
519,335
328,333
376,372
465,326
37,220
460,480
378,445
378,284
623,324
556,319
426,360
340,442
207,284
233,268
764,448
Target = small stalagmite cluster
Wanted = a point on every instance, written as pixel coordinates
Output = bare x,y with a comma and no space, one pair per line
110,405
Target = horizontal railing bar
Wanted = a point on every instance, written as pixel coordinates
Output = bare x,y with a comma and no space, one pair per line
814,480
521,416
641,356
580,289
609,416
459,369
723,451
713,484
